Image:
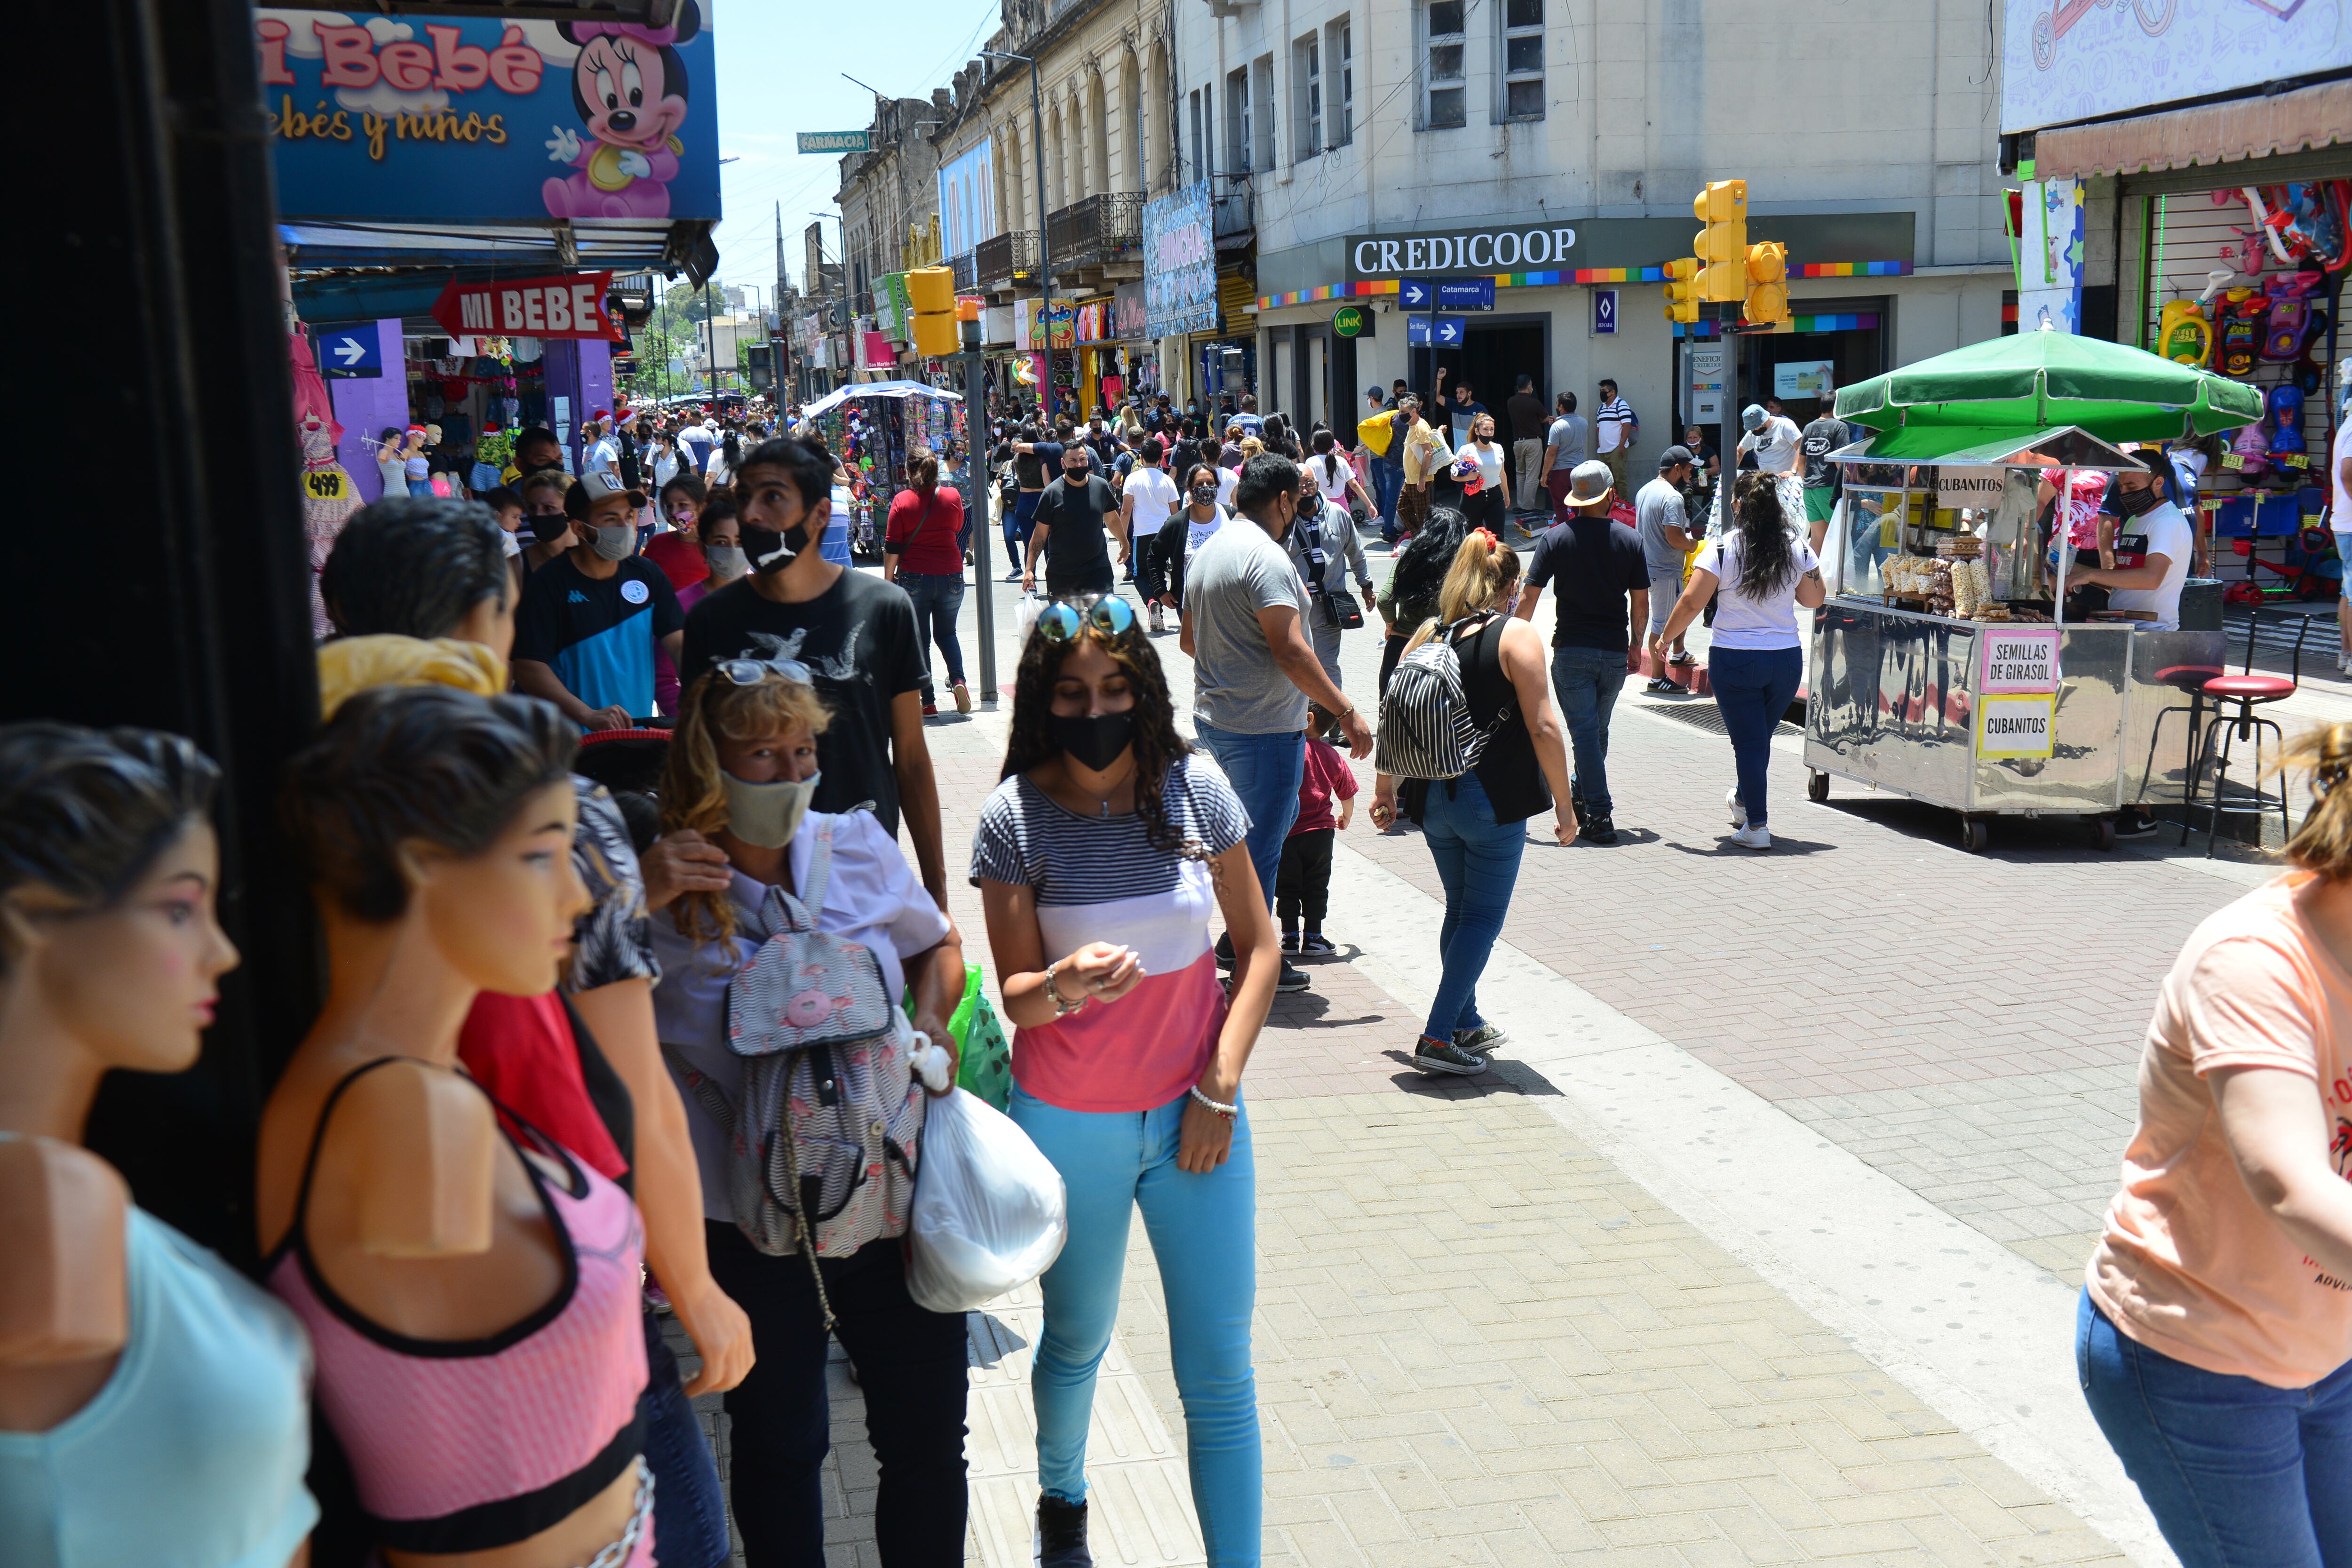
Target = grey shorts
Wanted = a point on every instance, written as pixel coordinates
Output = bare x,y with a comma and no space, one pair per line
1665,587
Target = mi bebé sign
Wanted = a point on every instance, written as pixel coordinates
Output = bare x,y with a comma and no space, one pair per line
572,306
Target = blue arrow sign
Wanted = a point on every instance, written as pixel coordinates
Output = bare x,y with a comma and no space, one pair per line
1415,294
1466,294
354,353
1449,330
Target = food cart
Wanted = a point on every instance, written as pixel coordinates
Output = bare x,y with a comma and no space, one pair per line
1942,664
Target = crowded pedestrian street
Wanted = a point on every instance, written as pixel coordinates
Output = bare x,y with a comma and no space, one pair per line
1142,784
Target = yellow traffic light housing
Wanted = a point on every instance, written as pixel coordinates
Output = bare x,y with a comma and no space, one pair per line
1767,299
1682,289
1722,246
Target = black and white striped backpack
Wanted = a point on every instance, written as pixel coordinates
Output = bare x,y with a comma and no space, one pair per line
1426,728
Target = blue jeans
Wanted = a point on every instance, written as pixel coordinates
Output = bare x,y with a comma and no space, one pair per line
2238,1474
938,599
1478,861
1753,688
1202,1230
690,1525
1016,526
1587,681
420,487
1388,483
1266,771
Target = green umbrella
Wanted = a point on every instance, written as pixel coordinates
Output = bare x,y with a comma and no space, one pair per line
2035,380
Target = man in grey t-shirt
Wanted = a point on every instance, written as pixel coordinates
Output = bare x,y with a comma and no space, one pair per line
1568,443
1253,671
1664,524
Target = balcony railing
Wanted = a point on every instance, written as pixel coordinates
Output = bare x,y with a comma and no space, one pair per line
1095,229
996,260
966,272
1233,212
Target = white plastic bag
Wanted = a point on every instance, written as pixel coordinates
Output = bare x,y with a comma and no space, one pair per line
990,1212
1025,619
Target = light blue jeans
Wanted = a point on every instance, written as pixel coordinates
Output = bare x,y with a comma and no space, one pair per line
1478,861
1204,1233
1266,771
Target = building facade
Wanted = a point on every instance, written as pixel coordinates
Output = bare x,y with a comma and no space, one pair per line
1555,147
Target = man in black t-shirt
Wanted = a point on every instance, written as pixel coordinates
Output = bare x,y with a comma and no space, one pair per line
856,633
1602,600
590,618
1070,521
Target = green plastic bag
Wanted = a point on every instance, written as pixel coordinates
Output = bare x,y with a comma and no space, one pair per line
983,1056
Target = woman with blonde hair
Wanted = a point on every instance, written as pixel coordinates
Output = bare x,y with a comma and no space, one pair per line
2214,1334
1472,824
741,773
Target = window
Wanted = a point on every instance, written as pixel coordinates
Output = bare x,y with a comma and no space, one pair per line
1237,122
1307,72
1265,143
1340,47
1199,165
1442,87
1523,62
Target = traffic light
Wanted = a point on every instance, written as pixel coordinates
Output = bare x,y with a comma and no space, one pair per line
1682,289
931,291
1722,245
1767,296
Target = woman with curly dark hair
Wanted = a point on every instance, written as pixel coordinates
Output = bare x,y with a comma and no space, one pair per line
1098,859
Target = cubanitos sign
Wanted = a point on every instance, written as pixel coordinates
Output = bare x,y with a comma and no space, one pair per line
572,306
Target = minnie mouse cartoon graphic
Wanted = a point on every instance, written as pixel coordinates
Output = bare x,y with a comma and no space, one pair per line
629,86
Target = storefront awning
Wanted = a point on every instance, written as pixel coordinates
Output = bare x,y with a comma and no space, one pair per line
2211,136
2061,446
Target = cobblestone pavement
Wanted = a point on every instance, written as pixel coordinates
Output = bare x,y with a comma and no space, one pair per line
1528,1316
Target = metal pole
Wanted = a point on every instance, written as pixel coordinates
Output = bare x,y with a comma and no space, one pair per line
1044,254
975,509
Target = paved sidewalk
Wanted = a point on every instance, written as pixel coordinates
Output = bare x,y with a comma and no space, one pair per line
1480,1340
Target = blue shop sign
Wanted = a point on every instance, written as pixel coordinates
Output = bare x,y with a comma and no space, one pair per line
476,120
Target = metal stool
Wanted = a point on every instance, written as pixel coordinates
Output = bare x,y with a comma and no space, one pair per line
2248,691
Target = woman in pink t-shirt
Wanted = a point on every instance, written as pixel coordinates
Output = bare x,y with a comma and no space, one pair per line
2214,1337
1098,859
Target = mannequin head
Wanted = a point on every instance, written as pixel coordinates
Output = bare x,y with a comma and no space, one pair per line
108,870
450,816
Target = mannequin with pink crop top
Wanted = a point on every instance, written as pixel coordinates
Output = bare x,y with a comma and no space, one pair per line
470,1287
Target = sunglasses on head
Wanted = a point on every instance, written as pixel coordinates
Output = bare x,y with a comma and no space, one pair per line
1062,620
751,671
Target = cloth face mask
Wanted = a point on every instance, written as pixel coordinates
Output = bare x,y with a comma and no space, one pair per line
767,815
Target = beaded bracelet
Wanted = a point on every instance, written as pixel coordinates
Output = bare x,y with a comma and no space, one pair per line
1227,1112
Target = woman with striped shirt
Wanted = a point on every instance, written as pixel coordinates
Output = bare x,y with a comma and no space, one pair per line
1098,859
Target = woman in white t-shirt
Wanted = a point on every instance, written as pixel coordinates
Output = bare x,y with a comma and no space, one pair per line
1762,572
1335,477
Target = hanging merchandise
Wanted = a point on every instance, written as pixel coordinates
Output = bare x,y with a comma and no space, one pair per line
329,497
2184,331
2289,322
2283,422
2242,314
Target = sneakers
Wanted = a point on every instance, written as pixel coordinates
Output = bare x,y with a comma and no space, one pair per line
1290,943
962,696
1061,1534
2135,825
1444,1057
1315,944
1159,619
930,710
1756,837
1738,807
1225,950
1598,830
1485,1037
1659,686
1292,978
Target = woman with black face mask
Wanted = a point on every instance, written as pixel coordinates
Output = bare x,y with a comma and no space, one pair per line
1098,859
1187,529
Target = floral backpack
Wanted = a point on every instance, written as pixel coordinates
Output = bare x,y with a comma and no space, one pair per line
824,1142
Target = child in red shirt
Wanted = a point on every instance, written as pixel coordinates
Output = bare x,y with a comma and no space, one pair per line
1302,888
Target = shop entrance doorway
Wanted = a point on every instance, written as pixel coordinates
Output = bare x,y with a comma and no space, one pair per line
1495,351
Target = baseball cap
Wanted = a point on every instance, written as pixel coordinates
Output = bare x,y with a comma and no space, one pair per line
587,491
1752,417
1590,482
1675,458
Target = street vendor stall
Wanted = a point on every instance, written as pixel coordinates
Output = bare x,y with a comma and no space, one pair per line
871,426
1943,666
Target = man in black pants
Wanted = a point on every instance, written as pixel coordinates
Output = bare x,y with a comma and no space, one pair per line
1070,518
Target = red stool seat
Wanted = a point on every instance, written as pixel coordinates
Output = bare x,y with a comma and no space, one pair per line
2188,677
2254,687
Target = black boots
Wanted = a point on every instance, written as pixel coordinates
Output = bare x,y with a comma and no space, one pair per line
1061,1534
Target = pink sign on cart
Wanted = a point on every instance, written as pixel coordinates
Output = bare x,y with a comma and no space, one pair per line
2018,658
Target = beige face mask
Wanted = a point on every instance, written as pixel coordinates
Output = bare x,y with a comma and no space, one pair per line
767,815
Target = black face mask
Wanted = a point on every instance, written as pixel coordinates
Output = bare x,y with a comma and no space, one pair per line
2131,504
1095,741
758,544
547,527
